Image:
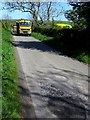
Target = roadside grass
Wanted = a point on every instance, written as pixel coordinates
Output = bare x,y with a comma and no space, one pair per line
0,71
84,57
10,99
52,41
39,36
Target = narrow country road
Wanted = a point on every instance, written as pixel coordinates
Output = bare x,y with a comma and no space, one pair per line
51,85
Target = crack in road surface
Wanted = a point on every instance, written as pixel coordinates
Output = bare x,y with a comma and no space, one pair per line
52,85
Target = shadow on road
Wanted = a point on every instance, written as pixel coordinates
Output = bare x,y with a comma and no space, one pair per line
35,45
63,99
27,110
60,98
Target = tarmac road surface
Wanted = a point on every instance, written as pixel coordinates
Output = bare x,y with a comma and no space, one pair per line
52,85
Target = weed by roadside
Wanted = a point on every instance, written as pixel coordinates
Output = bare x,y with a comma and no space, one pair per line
10,101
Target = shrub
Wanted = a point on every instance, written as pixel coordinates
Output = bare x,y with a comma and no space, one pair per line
67,39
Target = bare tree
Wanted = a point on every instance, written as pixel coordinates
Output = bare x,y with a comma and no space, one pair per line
48,10
30,7
39,10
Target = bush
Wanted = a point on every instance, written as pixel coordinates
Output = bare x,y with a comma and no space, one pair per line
73,42
46,30
7,24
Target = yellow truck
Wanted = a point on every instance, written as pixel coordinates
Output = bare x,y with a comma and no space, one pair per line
22,27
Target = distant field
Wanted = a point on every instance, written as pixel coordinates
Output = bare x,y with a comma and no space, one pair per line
65,22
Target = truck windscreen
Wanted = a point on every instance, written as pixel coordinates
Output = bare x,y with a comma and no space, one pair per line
24,23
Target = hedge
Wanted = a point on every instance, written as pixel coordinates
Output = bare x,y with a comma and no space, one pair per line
70,39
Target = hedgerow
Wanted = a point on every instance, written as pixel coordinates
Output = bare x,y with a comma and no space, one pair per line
72,42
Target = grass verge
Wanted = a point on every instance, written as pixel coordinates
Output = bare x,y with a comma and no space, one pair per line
10,101
0,71
39,36
81,56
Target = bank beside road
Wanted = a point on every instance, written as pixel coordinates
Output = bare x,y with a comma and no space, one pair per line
10,99
55,85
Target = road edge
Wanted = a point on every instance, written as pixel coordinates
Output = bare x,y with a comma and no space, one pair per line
22,90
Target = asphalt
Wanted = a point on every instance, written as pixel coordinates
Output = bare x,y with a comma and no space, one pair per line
51,84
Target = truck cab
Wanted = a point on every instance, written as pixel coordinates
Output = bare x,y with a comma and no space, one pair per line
22,27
